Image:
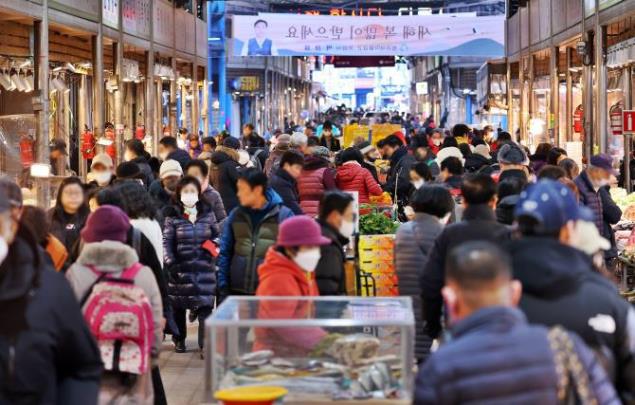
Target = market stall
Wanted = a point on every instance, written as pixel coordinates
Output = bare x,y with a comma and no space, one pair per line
318,349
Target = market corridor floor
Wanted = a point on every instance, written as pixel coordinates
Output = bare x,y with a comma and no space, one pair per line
183,372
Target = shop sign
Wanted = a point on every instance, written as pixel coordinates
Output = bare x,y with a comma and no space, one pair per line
421,88
136,17
163,23
300,35
247,83
628,121
110,13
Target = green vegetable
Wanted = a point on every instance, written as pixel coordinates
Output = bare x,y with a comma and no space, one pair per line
377,224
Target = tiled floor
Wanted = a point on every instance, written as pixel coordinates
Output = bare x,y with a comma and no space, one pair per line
182,373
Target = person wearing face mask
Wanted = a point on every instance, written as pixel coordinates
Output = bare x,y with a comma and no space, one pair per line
69,214
48,354
189,256
336,220
419,175
593,185
135,153
198,168
351,176
490,340
327,139
370,154
435,140
169,150
432,205
164,188
101,171
559,285
289,270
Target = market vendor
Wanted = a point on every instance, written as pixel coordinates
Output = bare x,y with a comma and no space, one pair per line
288,271
593,184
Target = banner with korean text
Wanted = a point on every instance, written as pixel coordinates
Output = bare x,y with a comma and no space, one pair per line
270,34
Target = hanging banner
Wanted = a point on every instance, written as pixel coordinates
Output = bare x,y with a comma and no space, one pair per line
269,34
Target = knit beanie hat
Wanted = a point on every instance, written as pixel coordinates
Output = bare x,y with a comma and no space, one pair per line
320,151
231,142
300,230
511,153
106,223
170,168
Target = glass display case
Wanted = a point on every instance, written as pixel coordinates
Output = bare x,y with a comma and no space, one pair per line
319,348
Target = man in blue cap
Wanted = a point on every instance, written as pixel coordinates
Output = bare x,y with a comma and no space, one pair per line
559,285
593,184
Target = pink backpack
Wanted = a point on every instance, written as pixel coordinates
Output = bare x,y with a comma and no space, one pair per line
119,315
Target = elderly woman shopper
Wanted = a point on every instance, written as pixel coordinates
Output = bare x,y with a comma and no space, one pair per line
317,177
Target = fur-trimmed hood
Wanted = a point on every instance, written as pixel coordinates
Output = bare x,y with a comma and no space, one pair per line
109,256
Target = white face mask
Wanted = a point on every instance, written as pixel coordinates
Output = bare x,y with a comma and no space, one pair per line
308,259
347,228
163,156
103,178
127,156
436,142
4,250
418,183
189,199
603,183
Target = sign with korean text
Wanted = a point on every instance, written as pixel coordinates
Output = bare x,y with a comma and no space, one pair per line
110,13
269,34
246,83
628,121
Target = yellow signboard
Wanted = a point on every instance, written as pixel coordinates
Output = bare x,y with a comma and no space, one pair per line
381,131
354,131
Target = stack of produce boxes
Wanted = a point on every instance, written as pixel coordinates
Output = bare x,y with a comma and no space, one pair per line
377,258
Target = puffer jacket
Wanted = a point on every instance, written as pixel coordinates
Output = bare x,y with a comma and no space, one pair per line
560,288
605,211
351,176
54,360
214,199
505,209
317,177
330,273
190,268
247,235
413,244
280,276
495,357
287,187
223,175
113,258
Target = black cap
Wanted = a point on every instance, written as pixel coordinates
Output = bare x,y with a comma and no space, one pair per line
231,142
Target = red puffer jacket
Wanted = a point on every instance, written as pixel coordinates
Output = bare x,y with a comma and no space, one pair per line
316,178
351,176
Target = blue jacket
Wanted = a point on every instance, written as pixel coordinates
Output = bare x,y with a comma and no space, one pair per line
247,234
495,357
287,187
190,268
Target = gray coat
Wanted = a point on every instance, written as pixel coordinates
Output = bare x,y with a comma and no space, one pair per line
413,244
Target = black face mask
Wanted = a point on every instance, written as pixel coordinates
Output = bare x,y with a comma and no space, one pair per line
371,159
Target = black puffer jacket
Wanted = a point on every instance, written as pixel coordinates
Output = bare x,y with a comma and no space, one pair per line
55,359
474,162
329,273
224,174
559,288
146,170
191,276
505,209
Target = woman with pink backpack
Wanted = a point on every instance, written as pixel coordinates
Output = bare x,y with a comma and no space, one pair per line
122,306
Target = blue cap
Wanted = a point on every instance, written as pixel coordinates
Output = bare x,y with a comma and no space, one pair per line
552,204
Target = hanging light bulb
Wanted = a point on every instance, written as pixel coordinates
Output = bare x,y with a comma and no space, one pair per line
30,81
5,81
15,79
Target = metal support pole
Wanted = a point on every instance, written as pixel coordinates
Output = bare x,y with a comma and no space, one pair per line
555,96
149,102
195,98
98,82
117,51
172,104
628,137
41,105
588,107
600,83
569,97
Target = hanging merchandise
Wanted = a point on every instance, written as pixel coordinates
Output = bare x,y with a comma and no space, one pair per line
615,112
27,155
111,149
88,144
578,117
140,132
